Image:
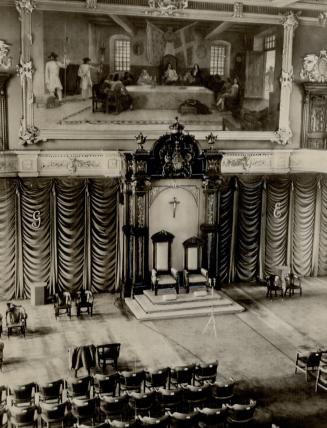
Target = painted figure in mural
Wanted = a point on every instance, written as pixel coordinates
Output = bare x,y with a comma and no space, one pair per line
170,75
169,38
196,74
84,72
144,78
230,94
52,79
124,99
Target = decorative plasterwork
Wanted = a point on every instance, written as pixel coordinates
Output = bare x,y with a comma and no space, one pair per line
29,135
282,136
25,71
110,164
238,10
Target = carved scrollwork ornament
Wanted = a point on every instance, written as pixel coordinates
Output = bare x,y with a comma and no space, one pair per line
238,10
286,79
25,71
282,136
29,135
25,6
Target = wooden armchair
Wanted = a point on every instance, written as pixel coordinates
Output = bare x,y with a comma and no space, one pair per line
163,275
194,274
63,304
16,317
84,302
293,283
274,286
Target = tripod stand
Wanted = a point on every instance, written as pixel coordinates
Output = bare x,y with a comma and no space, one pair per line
212,321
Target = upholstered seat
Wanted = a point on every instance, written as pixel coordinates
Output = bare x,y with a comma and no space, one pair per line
63,304
194,274
163,275
84,302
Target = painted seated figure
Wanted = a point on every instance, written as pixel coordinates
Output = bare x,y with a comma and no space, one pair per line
170,75
144,78
16,317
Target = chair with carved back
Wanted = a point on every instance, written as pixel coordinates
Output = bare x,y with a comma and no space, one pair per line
293,283
163,275
84,302
274,286
194,274
63,304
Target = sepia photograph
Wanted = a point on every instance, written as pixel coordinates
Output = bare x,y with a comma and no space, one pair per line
163,213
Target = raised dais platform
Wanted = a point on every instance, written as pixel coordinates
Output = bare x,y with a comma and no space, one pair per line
147,306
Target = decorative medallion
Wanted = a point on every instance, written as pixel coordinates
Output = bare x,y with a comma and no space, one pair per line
282,136
29,135
166,7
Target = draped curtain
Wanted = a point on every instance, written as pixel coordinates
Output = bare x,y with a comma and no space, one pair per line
322,259
73,245
8,253
276,223
35,197
225,232
103,214
303,223
248,228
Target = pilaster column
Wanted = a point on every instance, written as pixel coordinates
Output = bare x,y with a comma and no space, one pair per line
284,133
28,133
4,77
136,227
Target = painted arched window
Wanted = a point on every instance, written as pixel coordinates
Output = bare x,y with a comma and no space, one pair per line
120,53
220,58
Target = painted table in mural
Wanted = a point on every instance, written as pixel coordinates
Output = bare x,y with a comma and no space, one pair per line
168,97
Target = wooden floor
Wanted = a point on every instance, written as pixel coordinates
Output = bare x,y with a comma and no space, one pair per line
256,347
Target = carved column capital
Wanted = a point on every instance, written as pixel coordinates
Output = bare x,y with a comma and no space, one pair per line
25,6
290,20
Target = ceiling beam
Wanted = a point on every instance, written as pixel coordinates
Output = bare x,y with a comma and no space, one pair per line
218,30
124,23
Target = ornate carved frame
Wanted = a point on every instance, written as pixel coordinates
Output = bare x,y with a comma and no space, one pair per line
30,133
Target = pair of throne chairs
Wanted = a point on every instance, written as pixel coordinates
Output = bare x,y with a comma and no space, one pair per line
163,275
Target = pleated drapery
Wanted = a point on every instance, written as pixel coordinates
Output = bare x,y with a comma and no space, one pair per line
103,213
70,227
225,232
276,222
8,249
322,258
303,223
248,228
36,237
76,229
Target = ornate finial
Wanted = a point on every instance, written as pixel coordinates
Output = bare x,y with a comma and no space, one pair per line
25,5
176,127
140,141
290,19
211,140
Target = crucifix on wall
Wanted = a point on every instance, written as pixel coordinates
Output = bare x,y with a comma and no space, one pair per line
174,203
